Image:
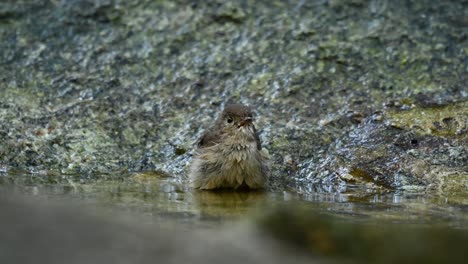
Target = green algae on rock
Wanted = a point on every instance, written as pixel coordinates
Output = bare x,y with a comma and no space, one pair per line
439,120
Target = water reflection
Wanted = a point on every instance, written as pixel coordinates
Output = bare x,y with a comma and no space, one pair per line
227,203
158,195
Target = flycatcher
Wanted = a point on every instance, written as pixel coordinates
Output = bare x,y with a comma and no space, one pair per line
230,154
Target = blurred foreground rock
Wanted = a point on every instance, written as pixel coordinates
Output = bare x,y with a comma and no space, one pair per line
380,242
42,231
36,232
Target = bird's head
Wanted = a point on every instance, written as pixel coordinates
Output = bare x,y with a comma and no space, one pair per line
236,120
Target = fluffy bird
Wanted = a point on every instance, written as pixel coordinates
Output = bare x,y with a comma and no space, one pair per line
230,154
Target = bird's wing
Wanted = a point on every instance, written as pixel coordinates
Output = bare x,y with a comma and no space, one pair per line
208,139
257,139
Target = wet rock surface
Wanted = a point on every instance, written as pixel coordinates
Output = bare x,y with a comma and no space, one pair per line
411,150
91,88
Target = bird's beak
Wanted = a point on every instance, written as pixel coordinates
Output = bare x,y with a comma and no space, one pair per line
246,122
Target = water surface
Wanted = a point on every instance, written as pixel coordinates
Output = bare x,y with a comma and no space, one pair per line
166,198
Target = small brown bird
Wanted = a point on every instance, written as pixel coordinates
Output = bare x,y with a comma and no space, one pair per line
230,154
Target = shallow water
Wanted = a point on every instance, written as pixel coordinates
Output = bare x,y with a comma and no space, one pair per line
157,196
360,225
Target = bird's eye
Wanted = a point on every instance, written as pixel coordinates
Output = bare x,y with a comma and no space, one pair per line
229,120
